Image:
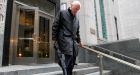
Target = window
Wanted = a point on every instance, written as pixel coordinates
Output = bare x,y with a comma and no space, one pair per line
1,18
103,20
63,6
115,18
113,1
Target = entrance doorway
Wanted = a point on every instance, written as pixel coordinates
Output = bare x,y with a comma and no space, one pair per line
32,36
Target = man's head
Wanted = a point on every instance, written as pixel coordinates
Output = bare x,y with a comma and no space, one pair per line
75,7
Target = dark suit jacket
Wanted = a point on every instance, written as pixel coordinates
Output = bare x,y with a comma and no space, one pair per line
63,24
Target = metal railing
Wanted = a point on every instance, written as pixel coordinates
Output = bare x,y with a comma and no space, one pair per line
101,55
113,53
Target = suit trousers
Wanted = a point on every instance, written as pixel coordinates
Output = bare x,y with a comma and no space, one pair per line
70,62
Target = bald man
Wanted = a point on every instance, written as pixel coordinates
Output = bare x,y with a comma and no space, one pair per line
65,32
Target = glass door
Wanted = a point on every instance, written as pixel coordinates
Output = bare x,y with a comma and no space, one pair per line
26,34
30,41
44,51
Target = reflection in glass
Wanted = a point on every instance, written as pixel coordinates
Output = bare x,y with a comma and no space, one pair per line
45,5
43,51
25,32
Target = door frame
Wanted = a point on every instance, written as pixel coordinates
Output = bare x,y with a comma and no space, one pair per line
26,60
51,51
13,39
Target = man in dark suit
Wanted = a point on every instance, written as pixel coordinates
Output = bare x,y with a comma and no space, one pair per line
65,31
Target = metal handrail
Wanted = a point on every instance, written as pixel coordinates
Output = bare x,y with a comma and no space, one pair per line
114,58
116,53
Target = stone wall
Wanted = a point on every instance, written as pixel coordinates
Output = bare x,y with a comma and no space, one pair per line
3,5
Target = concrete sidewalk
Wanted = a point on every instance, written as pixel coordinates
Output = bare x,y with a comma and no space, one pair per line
26,67
37,68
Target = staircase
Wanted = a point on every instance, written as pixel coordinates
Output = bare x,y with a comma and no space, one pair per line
50,69
80,69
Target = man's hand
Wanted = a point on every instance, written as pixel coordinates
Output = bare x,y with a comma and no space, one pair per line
80,44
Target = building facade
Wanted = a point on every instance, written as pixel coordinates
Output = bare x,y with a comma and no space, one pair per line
3,6
27,35
129,19
27,31
99,20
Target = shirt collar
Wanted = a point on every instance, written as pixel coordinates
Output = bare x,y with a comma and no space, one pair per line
70,12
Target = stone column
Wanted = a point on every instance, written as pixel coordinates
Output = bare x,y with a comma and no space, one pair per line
3,5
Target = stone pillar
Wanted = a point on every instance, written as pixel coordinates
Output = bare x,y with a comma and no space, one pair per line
5,28
3,5
88,22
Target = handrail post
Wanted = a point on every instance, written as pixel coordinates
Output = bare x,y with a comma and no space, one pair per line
101,63
101,54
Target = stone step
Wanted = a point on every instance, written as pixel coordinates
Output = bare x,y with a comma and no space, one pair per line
105,72
34,69
84,65
80,71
